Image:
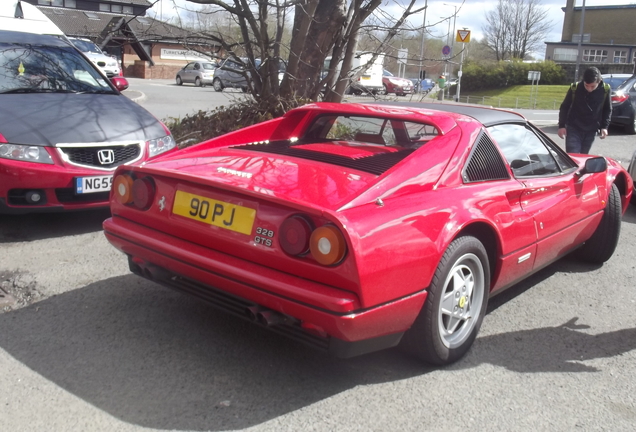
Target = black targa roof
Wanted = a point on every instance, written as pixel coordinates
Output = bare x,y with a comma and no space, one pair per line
485,115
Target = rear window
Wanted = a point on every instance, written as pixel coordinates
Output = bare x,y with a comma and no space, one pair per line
371,130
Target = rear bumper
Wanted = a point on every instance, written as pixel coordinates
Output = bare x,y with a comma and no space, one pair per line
313,313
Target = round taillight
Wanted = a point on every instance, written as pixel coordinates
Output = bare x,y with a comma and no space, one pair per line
122,187
294,235
327,245
143,192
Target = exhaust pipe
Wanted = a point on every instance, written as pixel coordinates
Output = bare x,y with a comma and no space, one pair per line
252,312
270,318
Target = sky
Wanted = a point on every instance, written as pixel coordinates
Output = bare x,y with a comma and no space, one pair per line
471,14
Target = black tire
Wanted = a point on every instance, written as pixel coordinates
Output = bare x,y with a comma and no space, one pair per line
630,127
458,307
217,84
197,82
179,80
601,246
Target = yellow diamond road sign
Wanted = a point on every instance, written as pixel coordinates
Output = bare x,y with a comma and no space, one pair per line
463,36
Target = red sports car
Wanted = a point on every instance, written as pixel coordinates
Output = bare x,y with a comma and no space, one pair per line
355,227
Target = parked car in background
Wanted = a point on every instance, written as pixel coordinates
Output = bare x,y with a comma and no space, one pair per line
422,86
231,74
615,80
624,105
199,73
358,227
397,85
64,127
109,65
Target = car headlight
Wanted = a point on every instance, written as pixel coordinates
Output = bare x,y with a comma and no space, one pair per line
25,153
160,145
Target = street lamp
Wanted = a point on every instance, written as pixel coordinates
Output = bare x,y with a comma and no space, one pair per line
452,40
422,46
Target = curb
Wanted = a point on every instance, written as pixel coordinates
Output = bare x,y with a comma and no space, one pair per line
134,95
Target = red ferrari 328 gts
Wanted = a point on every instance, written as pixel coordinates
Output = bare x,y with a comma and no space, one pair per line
358,227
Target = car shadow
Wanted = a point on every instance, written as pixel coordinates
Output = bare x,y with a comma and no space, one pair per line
38,226
562,348
159,359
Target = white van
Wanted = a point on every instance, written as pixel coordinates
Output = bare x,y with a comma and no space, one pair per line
366,76
19,16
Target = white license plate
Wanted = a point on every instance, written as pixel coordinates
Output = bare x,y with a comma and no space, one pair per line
85,185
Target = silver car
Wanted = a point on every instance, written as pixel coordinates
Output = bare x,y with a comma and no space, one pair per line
198,73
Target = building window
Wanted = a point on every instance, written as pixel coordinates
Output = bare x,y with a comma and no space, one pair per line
565,54
115,8
103,7
51,2
128,10
70,4
620,56
595,56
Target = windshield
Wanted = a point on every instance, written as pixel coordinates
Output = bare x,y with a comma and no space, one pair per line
26,68
86,46
208,66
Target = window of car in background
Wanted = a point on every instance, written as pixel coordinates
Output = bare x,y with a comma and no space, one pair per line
524,151
59,69
86,46
614,82
627,86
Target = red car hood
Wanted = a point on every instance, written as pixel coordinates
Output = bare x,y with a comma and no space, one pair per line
288,179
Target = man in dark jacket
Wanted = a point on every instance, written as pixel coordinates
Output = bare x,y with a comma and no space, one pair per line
586,109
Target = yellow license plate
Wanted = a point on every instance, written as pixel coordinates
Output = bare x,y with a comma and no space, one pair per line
218,213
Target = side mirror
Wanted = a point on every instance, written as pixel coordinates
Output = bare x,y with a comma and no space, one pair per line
593,165
120,83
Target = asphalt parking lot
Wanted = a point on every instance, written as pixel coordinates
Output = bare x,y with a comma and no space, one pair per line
90,347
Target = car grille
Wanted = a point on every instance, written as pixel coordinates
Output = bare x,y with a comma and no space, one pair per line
89,156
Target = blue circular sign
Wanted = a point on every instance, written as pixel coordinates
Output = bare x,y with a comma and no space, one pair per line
446,50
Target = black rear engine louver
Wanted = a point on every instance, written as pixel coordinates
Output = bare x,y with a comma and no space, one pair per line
485,162
376,164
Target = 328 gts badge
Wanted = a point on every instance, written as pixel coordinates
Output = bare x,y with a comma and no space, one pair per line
264,236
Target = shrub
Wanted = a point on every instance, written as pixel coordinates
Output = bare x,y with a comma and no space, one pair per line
482,76
204,125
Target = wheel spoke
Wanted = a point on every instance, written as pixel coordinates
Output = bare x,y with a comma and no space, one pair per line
448,302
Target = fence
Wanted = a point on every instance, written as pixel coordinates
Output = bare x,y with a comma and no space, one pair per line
510,102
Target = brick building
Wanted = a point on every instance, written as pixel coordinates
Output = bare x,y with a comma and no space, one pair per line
147,48
608,41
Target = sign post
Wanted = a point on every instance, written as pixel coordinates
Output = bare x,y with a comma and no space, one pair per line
534,94
463,36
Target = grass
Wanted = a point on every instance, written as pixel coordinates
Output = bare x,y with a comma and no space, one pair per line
543,97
